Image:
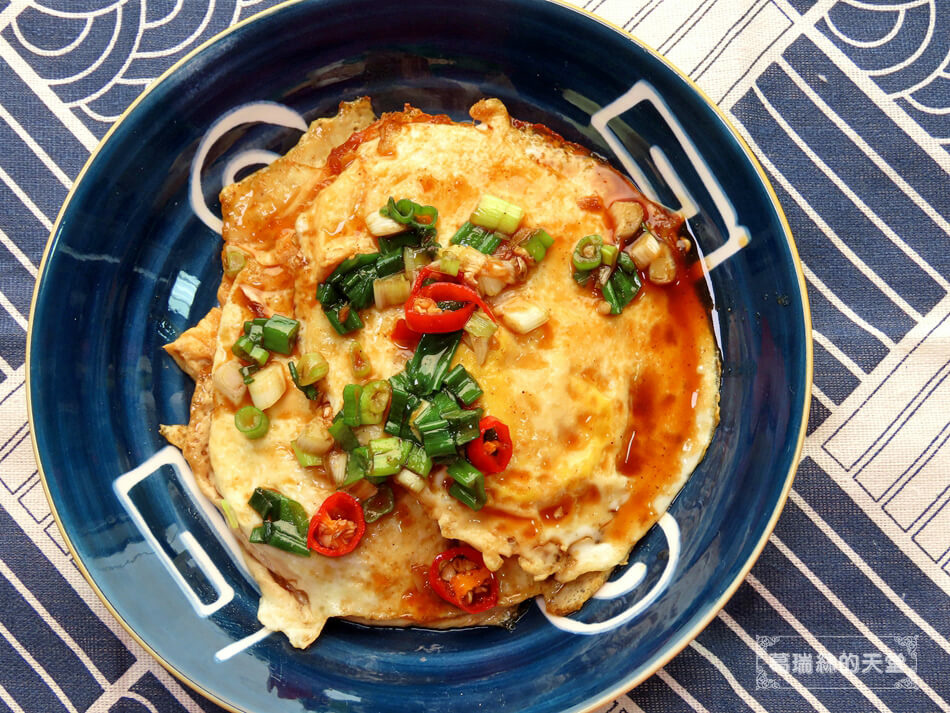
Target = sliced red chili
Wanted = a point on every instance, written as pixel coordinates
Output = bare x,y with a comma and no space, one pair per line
423,313
428,272
403,337
338,526
460,577
491,451
455,293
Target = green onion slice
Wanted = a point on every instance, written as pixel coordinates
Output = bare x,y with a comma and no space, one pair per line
309,390
462,385
537,244
479,325
496,214
362,366
306,460
357,465
609,254
234,260
588,252
280,334
343,434
430,363
311,368
373,402
626,263
229,514
351,405
251,421
469,486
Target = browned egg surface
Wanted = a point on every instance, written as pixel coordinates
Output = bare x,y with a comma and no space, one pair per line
608,414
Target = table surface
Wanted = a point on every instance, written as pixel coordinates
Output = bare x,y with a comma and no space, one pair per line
847,105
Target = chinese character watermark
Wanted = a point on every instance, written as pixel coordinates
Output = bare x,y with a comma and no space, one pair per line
841,662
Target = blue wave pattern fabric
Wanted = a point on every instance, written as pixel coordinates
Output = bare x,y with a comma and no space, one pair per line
847,105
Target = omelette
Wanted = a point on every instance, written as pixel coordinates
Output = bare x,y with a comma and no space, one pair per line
454,366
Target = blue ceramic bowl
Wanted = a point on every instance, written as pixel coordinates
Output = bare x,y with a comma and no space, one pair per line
130,265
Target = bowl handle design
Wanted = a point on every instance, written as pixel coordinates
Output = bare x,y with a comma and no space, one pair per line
123,485
630,579
643,91
263,112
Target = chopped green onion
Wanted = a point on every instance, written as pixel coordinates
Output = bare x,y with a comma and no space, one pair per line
386,443
469,486
358,287
328,295
537,244
343,435
581,276
439,443
282,535
410,481
351,405
626,263
432,425
395,244
612,297
419,461
356,262
479,325
381,503
344,319
362,366
545,239
423,218
311,368
357,465
392,290
373,402
386,456
248,371
414,259
482,239
402,404
588,252
261,534
496,214
280,334
466,433
460,416
251,421
444,401
309,390
625,287
234,260
272,506
258,355
255,331
462,385
389,264
242,348
229,514
305,459
608,254
430,363
467,497
449,263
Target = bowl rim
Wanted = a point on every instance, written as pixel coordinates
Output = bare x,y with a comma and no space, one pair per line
686,638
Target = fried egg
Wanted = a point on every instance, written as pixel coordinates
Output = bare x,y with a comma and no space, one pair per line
609,414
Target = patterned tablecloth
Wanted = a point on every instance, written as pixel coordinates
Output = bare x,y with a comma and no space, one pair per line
847,105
